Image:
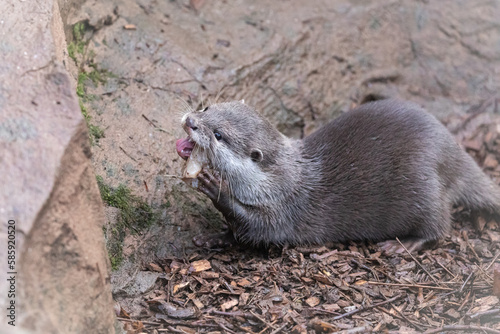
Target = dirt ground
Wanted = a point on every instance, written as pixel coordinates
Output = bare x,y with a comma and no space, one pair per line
300,64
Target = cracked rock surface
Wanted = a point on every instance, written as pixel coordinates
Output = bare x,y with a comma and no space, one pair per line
48,191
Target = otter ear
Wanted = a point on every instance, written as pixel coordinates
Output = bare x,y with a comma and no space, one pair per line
256,155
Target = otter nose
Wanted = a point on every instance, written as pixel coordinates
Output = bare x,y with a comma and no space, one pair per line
191,123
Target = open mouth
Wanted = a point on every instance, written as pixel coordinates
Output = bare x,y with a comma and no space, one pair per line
184,147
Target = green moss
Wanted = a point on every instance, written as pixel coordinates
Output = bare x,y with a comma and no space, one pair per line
80,47
77,46
80,84
135,216
114,245
79,31
135,213
98,76
96,132
95,76
71,51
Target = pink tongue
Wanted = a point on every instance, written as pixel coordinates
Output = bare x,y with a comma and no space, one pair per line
184,147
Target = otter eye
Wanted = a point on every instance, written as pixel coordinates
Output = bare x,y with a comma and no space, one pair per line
217,135
256,155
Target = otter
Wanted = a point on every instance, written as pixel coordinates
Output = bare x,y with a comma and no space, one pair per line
384,170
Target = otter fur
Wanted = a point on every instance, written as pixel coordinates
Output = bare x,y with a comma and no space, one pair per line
385,170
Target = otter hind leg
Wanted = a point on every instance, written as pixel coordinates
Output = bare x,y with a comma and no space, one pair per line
431,227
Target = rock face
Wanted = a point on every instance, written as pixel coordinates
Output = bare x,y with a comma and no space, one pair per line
49,190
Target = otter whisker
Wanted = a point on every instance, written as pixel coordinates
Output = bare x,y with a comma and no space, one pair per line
202,101
220,186
186,107
221,90
231,193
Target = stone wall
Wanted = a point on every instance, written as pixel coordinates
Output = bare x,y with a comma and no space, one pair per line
49,188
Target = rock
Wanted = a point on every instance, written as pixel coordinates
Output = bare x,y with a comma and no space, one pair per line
51,196
142,283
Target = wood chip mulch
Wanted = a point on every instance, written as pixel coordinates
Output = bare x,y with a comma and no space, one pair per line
354,288
320,290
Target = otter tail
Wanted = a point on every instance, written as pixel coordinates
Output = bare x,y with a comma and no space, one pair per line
476,190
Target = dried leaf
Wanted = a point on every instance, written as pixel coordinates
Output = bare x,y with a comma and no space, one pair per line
322,278
244,298
198,303
312,301
154,267
229,304
198,266
331,307
244,282
179,286
453,313
322,327
209,275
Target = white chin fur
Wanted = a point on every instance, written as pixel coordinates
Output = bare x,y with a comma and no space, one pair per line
244,172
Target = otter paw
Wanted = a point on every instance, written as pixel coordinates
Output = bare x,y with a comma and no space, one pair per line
218,240
209,184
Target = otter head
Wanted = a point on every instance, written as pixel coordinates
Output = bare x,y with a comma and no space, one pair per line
239,143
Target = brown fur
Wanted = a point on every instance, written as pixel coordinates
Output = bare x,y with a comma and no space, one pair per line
386,169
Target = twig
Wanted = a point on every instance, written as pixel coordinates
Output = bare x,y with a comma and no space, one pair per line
235,314
365,267
144,322
414,259
493,261
263,320
171,329
483,313
279,329
128,155
439,263
225,328
462,328
466,300
467,280
154,125
149,121
473,252
412,285
417,325
312,309
367,307
397,316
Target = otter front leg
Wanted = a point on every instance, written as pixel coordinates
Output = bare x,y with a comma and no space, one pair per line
218,191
